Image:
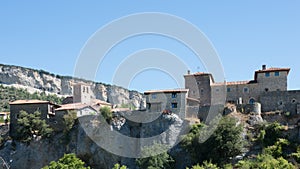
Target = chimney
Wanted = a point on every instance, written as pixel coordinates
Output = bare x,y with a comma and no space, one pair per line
188,72
264,67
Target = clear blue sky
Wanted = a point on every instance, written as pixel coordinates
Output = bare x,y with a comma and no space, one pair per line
49,35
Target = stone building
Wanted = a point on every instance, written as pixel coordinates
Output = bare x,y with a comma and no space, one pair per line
82,93
202,86
46,108
269,87
167,100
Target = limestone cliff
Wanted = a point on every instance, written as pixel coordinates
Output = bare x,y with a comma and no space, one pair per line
39,80
84,142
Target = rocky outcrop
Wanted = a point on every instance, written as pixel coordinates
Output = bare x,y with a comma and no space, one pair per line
85,141
39,80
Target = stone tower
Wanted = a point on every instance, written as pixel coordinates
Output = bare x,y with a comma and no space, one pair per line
199,85
82,93
271,79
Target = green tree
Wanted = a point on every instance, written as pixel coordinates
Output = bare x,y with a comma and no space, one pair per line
118,166
30,125
276,150
69,120
106,113
153,161
226,142
68,161
206,165
265,161
270,133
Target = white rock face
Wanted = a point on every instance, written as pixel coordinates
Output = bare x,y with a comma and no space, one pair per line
38,80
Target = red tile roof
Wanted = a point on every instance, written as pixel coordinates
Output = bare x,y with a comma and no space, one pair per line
72,106
100,102
29,102
273,69
4,113
201,74
167,91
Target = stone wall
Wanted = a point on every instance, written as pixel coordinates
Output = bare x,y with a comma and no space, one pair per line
272,83
199,87
29,108
165,100
286,101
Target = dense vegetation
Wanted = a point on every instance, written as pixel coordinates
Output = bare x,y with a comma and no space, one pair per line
153,160
9,94
30,126
68,161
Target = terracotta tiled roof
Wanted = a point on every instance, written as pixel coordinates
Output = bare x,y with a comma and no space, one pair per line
167,91
72,106
273,69
101,102
201,74
237,82
4,113
29,102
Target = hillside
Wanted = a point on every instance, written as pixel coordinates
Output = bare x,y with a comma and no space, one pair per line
9,94
42,81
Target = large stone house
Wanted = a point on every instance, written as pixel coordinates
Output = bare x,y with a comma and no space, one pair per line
269,87
82,102
167,101
46,108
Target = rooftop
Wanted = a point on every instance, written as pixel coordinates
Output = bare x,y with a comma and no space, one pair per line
167,91
30,102
72,106
100,102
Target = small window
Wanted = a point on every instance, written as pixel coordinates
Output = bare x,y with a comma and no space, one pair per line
153,96
201,91
266,89
228,89
83,89
217,90
246,90
267,74
87,90
276,73
280,103
174,105
198,82
174,95
293,100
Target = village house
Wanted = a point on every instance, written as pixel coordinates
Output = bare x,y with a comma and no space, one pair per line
82,102
269,88
46,108
168,101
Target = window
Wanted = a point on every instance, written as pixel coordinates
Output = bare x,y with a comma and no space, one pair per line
293,100
276,73
174,105
201,91
174,95
267,74
153,96
83,89
266,89
217,90
228,89
246,90
87,89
